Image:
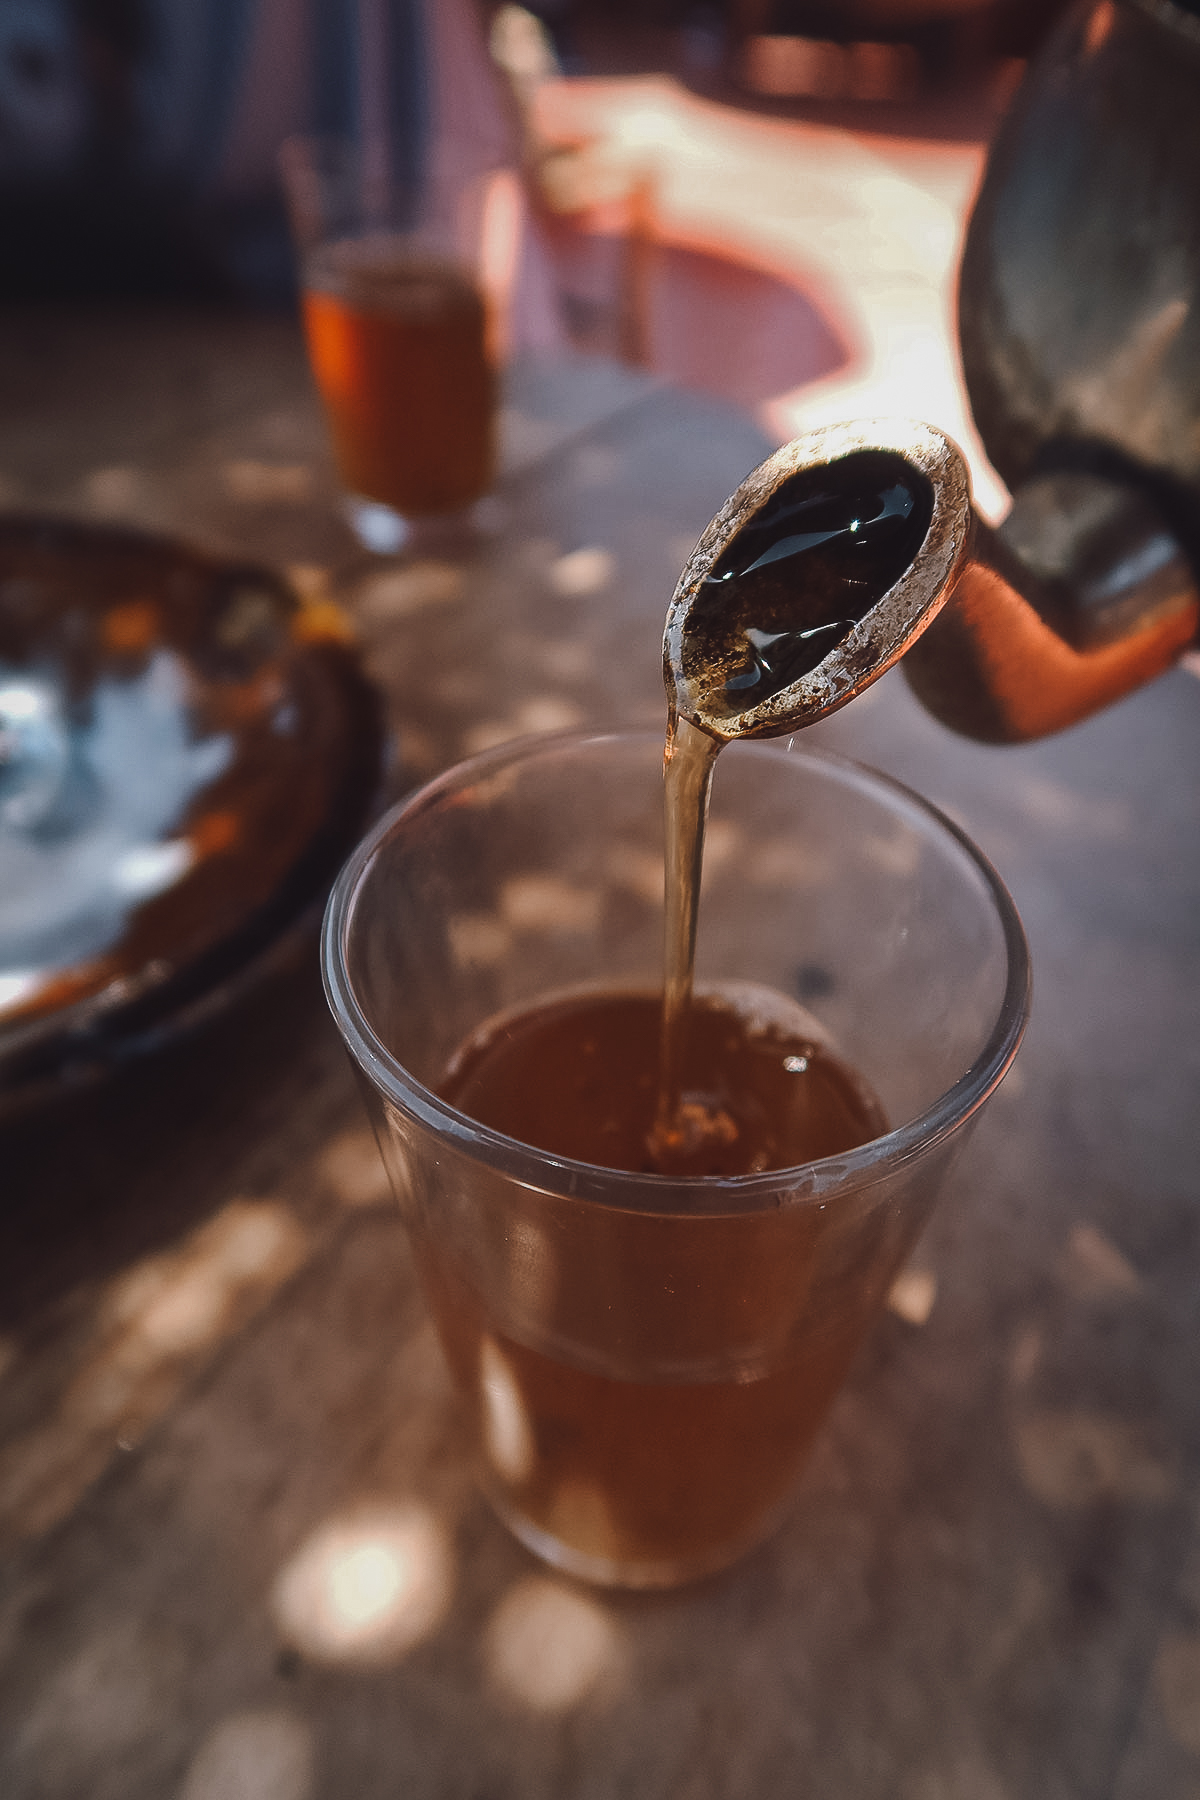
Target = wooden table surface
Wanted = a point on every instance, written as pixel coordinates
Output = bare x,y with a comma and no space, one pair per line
241,1551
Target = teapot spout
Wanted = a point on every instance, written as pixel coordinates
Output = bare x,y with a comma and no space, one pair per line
1082,594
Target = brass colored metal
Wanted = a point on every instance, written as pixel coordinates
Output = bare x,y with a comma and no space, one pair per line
1005,660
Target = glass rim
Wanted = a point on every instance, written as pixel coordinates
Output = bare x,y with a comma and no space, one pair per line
628,1190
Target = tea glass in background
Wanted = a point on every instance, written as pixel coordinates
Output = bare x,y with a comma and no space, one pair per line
645,1359
401,333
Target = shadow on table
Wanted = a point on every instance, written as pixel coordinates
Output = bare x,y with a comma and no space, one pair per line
706,322
108,1172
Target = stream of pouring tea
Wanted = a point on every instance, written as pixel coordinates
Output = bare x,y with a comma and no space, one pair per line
785,591
634,1473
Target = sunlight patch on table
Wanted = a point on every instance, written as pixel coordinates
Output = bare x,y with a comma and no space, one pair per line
257,483
1075,1458
580,572
547,712
1177,1687
399,593
478,940
548,1648
893,853
1105,818
912,1295
542,713
1095,1269
182,1301
354,1169
152,1324
724,843
547,903
366,1587
639,871
259,1755
565,661
111,1690
779,863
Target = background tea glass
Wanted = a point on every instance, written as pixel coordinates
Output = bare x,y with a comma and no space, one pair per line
400,333
645,1359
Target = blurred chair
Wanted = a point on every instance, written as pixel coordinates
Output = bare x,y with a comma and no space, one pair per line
592,203
694,312
138,138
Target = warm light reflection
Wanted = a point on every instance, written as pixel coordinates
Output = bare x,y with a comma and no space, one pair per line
580,1515
507,1434
912,1295
532,1267
547,1647
367,1587
260,1755
147,869
501,235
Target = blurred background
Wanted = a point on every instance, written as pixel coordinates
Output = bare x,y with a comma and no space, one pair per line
792,172
138,138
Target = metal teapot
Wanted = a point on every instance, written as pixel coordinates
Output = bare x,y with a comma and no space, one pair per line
1079,320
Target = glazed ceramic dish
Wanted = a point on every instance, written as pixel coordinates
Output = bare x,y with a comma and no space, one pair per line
187,753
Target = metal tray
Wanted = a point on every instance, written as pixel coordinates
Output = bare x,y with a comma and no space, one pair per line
187,754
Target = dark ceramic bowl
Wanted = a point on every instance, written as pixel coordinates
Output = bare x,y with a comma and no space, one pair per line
187,754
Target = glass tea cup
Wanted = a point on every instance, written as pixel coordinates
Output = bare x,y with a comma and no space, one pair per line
401,328
646,1359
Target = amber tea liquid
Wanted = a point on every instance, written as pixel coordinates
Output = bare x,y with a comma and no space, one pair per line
398,346
636,1473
